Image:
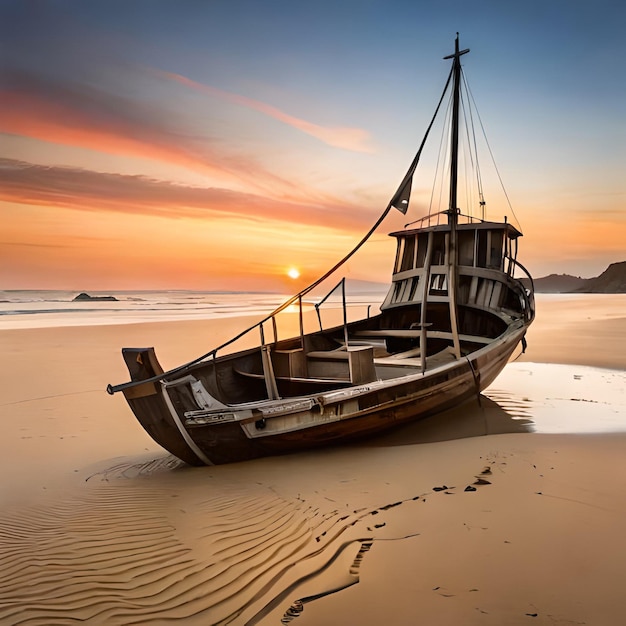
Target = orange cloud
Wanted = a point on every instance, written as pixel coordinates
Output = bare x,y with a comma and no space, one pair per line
88,118
26,183
355,139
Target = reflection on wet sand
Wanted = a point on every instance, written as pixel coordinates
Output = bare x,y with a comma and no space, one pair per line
501,413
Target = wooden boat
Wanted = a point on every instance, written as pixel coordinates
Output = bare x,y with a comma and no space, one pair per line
453,316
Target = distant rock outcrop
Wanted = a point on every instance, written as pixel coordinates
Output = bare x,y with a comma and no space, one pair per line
85,297
558,283
612,280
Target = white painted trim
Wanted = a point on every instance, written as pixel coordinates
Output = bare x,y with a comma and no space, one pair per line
188,440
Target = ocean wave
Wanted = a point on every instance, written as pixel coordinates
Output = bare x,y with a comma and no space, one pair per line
33,309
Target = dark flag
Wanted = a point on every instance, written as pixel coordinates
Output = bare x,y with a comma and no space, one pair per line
401,199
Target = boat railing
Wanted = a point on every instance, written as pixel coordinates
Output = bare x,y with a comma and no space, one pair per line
471,219
271,318
342,284
318,305
528,294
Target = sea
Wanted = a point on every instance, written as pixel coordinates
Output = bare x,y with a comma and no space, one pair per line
53,308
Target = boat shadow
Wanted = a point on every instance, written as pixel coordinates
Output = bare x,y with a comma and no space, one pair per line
475,418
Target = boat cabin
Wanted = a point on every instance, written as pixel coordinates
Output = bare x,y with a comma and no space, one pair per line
485,250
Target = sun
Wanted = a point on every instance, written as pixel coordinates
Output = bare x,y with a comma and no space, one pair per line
293,272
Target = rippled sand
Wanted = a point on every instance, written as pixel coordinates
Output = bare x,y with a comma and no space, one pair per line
476,516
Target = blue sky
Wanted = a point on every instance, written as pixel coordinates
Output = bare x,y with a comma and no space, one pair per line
215,131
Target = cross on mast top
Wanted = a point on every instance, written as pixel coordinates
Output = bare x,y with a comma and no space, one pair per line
457,53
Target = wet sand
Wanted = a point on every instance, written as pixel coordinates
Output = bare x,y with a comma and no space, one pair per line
465,518
585,329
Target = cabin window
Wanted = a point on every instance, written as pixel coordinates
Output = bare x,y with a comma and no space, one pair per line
439,249
408,257
466,247
402,291
481,260
397,290
422,247
399,253
439,284
495,256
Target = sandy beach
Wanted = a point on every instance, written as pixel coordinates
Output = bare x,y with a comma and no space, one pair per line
505,511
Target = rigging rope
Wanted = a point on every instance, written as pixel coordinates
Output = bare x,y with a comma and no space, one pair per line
58,395
442,154
479,182
406,180
506,195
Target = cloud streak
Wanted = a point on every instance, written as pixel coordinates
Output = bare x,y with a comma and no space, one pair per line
354,139
85,190
85,117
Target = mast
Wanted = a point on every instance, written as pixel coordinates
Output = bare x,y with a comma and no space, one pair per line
453,210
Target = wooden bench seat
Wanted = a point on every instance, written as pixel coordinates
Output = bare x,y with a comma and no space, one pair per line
332,355
355,361
312,381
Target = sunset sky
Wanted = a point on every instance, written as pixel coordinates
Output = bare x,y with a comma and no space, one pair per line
150,144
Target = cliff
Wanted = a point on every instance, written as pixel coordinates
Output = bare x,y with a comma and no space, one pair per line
558,283
612,280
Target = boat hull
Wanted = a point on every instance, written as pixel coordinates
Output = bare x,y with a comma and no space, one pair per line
340,416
